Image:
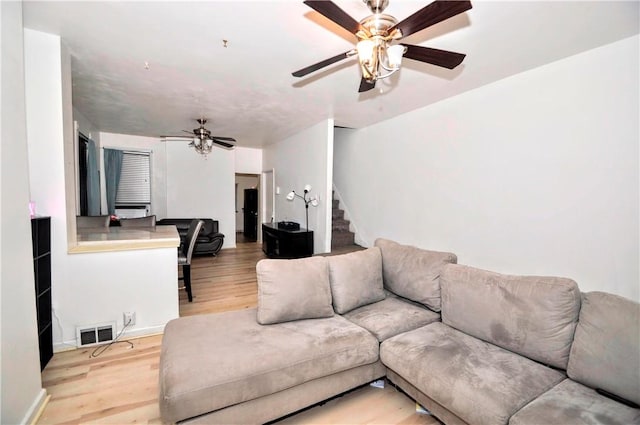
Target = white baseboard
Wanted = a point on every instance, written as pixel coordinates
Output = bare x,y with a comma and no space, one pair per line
36,408
139,333
133,333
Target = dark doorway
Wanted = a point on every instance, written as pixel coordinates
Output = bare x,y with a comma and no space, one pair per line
83,141
247,208
250,213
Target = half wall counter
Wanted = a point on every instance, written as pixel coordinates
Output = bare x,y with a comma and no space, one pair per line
108,271
124,239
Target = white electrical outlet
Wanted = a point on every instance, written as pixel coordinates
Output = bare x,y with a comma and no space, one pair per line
129,318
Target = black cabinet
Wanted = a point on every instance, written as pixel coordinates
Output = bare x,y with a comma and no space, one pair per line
41,242
282,243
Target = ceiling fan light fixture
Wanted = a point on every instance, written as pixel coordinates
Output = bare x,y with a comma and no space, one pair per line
365,51
394,55
368,58
376,56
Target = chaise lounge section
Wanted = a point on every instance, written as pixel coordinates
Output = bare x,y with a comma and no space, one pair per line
256,365
472,346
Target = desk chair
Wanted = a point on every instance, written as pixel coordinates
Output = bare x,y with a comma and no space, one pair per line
185,252
92,221
139,222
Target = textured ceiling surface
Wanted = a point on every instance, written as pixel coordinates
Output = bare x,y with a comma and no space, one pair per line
151,68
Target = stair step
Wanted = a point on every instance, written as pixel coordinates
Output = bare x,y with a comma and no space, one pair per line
340,225
340,233
342,239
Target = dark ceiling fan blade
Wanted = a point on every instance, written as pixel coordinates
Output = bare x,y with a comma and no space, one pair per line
229,139
221,143
431,14
331,11
443,58
188,132
316,66
365,85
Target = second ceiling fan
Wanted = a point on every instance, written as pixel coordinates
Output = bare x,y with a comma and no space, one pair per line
377,54
201,139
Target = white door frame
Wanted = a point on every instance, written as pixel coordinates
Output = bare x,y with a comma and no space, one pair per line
267,179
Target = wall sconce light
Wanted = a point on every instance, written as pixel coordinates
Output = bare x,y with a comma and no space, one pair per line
311,200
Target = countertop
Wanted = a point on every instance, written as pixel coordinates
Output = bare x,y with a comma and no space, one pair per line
123,239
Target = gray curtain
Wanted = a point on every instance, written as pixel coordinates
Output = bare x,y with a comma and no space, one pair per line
112,168
93,180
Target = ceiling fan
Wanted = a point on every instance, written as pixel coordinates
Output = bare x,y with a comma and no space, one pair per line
202,140
377,49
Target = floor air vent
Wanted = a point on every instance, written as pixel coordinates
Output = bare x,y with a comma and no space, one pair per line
95,334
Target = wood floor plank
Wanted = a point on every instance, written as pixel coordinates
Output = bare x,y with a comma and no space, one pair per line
121,385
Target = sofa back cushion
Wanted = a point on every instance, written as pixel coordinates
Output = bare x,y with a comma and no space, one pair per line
412,272
182,224
210,226
293,289
356,279
530,315
606,349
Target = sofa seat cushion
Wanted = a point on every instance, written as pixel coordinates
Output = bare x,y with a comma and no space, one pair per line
479,382
571,403
391,316
212,361
605,352
203,239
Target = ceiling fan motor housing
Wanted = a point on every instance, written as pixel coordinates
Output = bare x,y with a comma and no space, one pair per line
378,25
201,132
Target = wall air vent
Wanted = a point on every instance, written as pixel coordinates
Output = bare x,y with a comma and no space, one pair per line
88,335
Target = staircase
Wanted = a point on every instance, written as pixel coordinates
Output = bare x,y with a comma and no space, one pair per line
340,234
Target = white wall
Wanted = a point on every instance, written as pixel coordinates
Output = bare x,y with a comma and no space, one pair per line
86,288
20,383
305,158
534,174
204,187
158,164
85,126
248,160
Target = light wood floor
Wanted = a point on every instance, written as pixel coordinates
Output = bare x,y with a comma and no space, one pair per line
120,386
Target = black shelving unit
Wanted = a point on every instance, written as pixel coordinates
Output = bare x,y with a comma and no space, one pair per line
283,243
41,241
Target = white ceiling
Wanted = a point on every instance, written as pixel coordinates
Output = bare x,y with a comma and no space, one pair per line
246,89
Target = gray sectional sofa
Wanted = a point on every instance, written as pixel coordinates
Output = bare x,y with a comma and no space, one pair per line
472,346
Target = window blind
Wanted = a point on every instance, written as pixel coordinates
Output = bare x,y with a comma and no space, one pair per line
135,186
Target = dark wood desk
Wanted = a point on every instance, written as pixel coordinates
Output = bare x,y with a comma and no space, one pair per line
282,243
